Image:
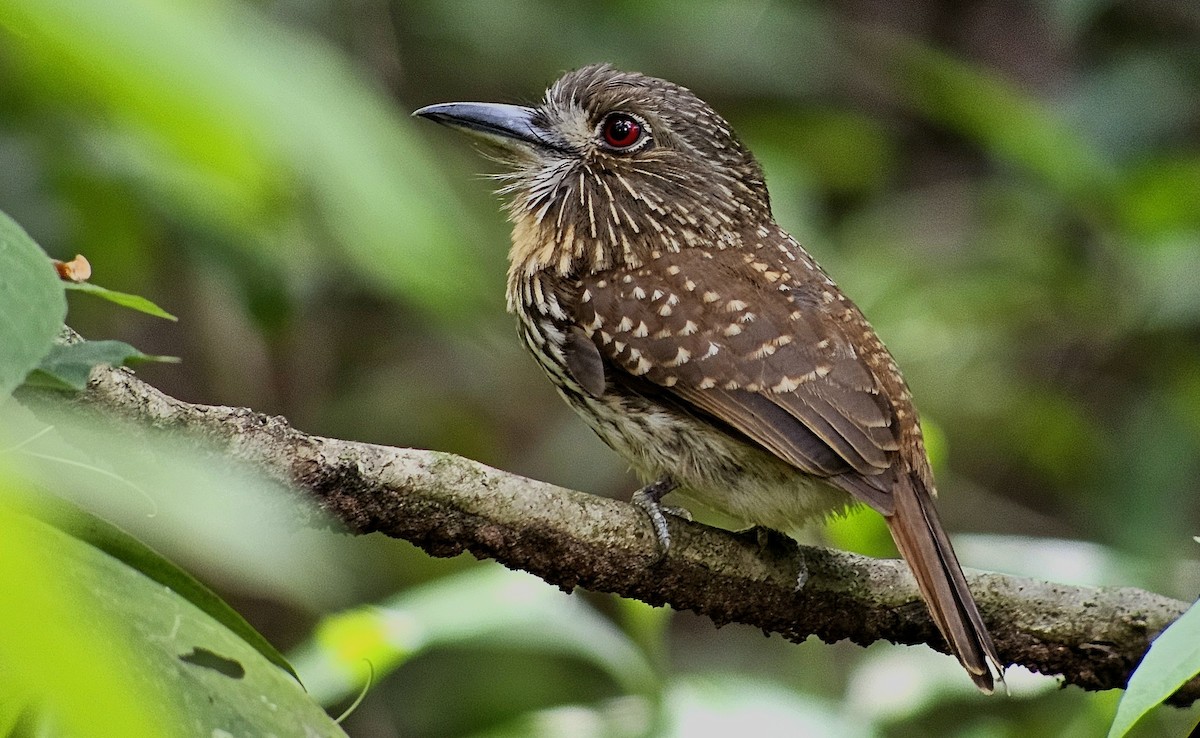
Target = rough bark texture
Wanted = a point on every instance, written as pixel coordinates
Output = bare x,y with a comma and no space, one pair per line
447,505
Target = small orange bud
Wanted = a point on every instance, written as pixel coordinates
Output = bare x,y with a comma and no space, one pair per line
75,270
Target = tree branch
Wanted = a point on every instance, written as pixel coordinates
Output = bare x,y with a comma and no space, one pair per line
447,504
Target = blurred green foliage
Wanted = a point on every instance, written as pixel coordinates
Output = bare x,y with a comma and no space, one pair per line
1009,190
53,665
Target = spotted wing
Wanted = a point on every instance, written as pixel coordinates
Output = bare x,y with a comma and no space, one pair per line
761,342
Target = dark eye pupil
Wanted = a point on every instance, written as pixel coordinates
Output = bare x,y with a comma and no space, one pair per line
621,131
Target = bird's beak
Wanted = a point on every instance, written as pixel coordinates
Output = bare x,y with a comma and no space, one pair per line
501,124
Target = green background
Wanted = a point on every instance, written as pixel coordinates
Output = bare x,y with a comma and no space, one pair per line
1008,190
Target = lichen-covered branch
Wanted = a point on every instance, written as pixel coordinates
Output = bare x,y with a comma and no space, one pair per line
447,505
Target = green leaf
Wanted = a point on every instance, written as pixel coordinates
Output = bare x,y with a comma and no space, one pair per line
227,520
148,662
57,672
67,366
1173,659
133,553
486,604
124,299
32,306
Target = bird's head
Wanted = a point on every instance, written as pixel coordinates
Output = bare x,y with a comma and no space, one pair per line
615,164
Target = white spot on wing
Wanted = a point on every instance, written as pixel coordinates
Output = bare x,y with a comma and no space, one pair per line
787,384
763,351
681,357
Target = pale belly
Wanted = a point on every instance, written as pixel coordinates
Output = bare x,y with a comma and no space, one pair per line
717,471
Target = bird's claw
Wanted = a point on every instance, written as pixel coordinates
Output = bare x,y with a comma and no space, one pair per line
764,536
801,572
647,499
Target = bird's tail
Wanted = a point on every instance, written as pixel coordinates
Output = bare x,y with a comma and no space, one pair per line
925,546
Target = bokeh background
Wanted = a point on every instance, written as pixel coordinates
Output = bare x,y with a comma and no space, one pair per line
1010,191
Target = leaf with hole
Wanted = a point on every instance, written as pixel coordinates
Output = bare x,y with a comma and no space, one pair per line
130,551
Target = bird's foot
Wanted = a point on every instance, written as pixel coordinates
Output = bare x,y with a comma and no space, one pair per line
801,571
765,537
647,499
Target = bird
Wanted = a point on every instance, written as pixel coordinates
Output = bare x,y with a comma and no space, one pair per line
696,336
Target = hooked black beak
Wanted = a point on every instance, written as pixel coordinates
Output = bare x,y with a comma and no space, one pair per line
499,123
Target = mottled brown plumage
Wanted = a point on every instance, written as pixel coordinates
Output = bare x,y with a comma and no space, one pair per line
698,338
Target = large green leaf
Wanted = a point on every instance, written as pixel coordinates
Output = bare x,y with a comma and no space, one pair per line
108,651
1173,659
61,661
32,306
164,489
135,554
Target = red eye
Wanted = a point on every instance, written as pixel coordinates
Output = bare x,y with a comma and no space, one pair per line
621,131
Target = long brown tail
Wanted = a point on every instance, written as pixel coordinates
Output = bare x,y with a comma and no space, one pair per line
924,545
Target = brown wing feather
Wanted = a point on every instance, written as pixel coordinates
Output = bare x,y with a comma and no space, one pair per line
771,426
925,546
767,353
759,347
774,427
